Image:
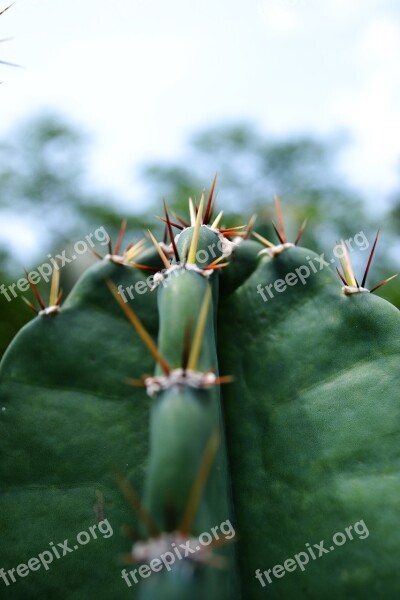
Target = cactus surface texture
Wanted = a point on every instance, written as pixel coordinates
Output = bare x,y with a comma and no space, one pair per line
222,411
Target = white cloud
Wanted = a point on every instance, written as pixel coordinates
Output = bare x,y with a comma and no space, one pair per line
349,10
380,42
370,110
282,16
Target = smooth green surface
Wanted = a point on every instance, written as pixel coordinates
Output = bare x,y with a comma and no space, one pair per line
208,248
313,431
68,424
182,423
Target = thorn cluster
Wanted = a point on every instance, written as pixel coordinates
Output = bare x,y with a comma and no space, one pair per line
349,280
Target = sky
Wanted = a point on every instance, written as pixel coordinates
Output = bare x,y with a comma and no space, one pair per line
141,75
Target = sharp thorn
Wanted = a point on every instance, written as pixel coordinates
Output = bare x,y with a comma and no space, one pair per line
134,250
347,266
249,227
160,251
220,266
35,291
135,382
224,379
364,279
282,233
180,227
199,333
263,240
300,232
281,239
217,220
6,8
341,276
181,221
35,310
192,213
195,239
171,234
120,237
143,334
383,283
165,234
143,267
55,285
207,214
199,483
216,261
232,229
131,495
96,254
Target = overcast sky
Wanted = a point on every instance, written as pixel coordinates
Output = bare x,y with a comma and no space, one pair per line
142,74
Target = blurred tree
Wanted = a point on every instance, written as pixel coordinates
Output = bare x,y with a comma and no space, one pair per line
43,181
44,189
252,169
302,170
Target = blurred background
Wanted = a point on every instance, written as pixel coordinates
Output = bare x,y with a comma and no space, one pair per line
115,106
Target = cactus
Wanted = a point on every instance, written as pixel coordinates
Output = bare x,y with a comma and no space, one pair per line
272,407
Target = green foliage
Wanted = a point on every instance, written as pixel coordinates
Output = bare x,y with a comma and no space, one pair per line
252,168
44,189
43,174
